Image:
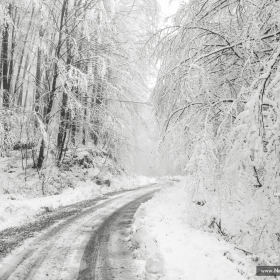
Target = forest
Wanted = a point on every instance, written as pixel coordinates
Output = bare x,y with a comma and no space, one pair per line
72,73
75,74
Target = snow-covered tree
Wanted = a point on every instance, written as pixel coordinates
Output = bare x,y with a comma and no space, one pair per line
216,96
76,70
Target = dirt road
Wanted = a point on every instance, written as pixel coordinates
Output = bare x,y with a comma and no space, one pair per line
91,245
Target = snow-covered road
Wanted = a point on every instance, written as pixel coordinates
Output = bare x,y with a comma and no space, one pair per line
90,245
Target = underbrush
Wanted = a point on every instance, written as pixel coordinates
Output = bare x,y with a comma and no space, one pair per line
247,217
18,179
34,163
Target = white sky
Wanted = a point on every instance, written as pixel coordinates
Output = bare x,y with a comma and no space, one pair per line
168,9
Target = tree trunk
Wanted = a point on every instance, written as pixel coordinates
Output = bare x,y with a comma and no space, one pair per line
64,111
5,63
38,77
54,82
19,100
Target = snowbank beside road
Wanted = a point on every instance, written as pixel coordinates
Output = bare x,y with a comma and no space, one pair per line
173,250
20,211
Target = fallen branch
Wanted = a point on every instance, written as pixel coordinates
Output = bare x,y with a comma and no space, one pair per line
244,251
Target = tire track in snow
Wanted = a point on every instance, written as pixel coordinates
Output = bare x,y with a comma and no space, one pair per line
61,253
107,255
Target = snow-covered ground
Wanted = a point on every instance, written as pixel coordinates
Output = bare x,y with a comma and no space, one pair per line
69,242
172,249
16,210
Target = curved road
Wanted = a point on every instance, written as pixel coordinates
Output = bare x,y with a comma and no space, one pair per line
91,245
